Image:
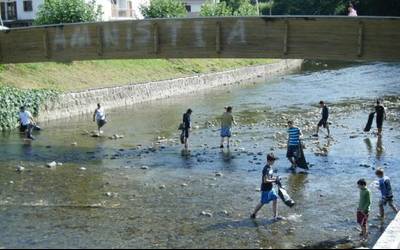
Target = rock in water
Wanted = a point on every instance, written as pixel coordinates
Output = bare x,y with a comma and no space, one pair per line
82,169
206,214
163,187
144,167
219,175
52,164
20,169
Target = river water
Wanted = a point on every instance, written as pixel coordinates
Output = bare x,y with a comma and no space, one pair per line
100,196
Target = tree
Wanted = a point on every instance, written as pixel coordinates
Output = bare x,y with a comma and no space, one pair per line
68,11
211,8
164,9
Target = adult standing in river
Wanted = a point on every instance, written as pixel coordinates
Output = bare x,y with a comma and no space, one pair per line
324,120
380,116
227,121
187,124
26,122
294,144
99,117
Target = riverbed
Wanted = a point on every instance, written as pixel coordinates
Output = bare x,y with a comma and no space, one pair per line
140,191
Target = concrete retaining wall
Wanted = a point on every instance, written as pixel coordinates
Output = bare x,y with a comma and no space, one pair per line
391,237
80,103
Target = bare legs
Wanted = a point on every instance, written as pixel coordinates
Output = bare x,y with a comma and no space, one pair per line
223,141
274,209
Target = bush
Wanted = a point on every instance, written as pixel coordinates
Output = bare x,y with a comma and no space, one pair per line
68,11
13,99
247,9
164,9
210,8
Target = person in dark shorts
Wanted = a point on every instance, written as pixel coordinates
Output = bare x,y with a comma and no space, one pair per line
227,121
268,193
385,187
26,122
324,120
293,144
364,208
99,117
187,124
380,116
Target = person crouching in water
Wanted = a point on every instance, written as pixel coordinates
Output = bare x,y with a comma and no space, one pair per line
293,144
26,122
99,117
268,192
226,126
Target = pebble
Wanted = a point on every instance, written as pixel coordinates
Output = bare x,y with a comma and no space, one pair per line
144,167
82,169
20,169
219,175
206,214
163,187
74,144
59,163
52,164
184,185
11,182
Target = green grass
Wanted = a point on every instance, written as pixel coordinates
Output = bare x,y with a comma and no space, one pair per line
75,76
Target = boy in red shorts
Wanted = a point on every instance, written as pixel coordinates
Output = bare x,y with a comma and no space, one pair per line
364,208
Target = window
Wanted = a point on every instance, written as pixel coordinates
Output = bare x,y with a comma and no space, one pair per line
114,2
28,6
188,8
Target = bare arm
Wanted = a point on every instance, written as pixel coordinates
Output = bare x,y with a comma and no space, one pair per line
94,115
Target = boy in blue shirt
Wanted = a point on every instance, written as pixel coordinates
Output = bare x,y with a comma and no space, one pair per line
387,194
268,193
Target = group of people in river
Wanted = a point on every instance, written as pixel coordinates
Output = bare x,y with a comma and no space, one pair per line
268,192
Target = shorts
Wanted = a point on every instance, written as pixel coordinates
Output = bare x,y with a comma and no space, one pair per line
101,123
379,123
226,132
23,128
386,200
293,151
323,123
362,218
268,196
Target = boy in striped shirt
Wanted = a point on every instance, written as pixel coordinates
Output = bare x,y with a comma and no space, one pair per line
293,143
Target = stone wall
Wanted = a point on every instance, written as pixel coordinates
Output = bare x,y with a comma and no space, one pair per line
391,237
81,103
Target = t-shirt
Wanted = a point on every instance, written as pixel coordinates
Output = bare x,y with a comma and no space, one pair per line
267,172
365,200
294,136
25,118
380,112
227,120
386,187
186,121
325,113
353,12
100,114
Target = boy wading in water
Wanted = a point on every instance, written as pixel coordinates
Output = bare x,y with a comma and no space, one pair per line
226,126
364,208
380,116
26,122
99,117
268,192
387,194
187,124
324,121
293,144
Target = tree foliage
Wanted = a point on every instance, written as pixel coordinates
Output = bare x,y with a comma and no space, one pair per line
164,9
68,11
247,9
229,8
211,8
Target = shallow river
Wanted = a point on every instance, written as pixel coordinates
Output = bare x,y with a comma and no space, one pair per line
100,196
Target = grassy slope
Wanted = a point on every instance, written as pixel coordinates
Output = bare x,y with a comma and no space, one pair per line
97,74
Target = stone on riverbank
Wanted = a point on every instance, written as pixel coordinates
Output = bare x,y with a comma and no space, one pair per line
20,169
51,164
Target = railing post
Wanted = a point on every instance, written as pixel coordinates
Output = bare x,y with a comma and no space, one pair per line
46,46
100,41
156,38
286,39
360,39
218,48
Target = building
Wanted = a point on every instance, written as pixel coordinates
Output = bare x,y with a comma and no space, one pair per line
23,12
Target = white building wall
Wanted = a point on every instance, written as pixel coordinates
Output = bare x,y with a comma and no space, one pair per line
28,15
136,8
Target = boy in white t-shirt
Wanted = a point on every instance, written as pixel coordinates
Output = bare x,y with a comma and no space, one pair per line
26,122
99,117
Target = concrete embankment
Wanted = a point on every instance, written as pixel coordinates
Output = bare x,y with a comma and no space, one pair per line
81,103
390,239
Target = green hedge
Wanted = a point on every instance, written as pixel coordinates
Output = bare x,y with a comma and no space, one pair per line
11,99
